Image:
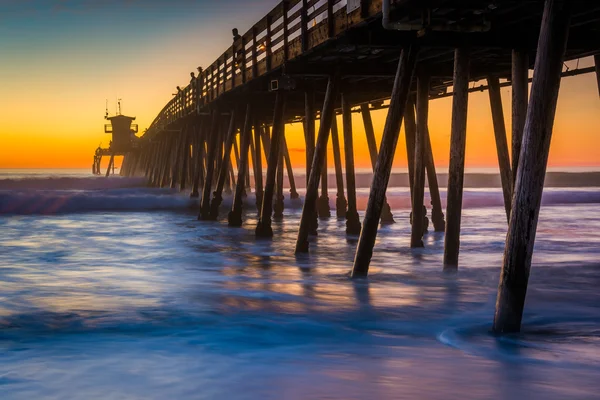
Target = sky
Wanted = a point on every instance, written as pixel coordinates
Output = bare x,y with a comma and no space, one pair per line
61,60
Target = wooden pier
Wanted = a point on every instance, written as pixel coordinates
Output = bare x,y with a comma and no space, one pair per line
308,60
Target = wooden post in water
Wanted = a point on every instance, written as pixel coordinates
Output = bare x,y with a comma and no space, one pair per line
323,209
258,178
185,155
437,215
167,160
278,206
290,171
309,137
175,158
264,229
383,168
111,162
386,212
410,129
520,94
317,164
532,166
235,215
501,142
456,169
340,200
419,212
352,219
198,160
224,171
212,138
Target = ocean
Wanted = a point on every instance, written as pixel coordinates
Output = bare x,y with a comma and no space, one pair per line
113,290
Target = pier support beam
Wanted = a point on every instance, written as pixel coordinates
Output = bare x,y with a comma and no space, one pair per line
437,215
386,212
323,209
340,199
185,155
224,171
317,164
410,129
309,137
264,229
501,142
175,157
456,169
527,198
290,171
419,214
383,168
258,178
235,215
352,219
111,163
520,94
212,138
279,198
198,160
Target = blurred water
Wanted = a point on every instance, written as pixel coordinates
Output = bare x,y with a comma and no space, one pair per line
103,296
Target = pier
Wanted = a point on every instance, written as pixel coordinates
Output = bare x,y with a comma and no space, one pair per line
309,61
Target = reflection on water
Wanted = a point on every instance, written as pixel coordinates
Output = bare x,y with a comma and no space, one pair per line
159,305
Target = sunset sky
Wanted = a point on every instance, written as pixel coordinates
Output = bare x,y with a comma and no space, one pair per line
61,60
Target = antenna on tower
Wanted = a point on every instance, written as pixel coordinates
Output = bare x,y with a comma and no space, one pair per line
119,106
106,112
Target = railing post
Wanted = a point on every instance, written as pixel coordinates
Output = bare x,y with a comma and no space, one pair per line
254,56
304,25
268,52
286,6
330,22
243,61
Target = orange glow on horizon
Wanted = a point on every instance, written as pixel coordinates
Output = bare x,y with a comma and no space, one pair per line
65,133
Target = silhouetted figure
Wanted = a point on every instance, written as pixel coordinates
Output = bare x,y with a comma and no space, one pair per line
239,55
236,35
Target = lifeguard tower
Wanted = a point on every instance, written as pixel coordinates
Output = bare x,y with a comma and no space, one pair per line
123,141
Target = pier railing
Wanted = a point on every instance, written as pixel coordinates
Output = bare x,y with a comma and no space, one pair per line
292,28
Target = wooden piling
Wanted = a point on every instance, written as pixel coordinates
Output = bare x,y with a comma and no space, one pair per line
418,208
185,155
520,94
317,164
111,162
235,215
198,160
258,177
386,212
309,137
456,169
323,209
279,198
264,229
437,215
175,158
383,168
501,142
410,129
340,201
224,171
529,186
290,171
352,219
212,138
